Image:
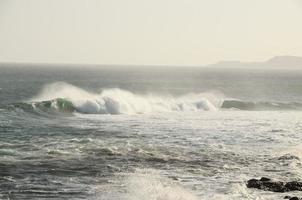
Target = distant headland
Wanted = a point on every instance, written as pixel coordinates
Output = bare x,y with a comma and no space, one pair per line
277,62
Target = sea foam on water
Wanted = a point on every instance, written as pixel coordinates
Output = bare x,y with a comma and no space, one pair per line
118,101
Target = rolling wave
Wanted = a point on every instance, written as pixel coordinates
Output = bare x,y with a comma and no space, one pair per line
65,98
118,101
245,105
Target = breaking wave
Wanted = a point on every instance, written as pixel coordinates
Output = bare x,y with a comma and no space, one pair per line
151,185
67,98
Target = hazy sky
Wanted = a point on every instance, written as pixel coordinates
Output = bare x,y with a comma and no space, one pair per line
150,32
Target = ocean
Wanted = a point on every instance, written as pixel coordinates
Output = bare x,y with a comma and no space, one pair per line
147,133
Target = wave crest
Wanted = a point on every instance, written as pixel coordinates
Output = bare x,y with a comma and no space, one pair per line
67,98
118,101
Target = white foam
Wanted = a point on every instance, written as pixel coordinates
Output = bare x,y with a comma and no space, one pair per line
118,101
150,185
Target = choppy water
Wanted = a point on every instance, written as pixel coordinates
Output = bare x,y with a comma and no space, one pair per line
149,134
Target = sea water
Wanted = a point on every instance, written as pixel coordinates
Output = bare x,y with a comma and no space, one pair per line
133,133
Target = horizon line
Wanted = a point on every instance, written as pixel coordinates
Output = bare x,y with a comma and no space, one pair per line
138,65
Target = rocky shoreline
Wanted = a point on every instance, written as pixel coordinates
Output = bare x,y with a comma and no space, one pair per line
267,184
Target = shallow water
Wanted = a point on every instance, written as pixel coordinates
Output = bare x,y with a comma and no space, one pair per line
162,142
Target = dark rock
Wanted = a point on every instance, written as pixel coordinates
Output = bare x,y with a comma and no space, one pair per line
292,198
294,185
265,179
266,185
274,186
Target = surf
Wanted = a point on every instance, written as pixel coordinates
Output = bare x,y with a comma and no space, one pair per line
117,101
61,97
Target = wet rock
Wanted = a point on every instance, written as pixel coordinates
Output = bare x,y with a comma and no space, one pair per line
265,179
294,185
266,185
292,198
274,186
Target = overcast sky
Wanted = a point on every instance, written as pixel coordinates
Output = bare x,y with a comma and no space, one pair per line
149,32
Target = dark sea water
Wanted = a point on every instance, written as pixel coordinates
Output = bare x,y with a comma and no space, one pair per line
147,133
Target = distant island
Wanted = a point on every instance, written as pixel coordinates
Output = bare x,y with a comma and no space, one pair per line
277,62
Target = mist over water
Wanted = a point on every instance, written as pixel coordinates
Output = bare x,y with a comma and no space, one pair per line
155,134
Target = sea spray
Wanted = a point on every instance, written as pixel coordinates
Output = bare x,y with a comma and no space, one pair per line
149,184
118,101
66,97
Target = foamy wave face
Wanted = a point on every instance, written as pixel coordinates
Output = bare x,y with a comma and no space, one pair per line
117,101
148,184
